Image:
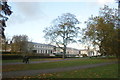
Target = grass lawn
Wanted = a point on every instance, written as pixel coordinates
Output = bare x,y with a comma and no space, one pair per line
49,65
20,60
107,71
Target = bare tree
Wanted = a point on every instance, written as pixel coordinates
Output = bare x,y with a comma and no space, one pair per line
63,31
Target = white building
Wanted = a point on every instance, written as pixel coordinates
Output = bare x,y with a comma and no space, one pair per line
72,51
90,52
69,51
42,48
53,50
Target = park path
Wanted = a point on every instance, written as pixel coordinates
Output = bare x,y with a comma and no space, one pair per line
13,74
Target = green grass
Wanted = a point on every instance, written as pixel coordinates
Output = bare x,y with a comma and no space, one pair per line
107,71
49,65
20,60
44,59
11,61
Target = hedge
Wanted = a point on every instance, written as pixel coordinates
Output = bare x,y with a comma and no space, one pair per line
18,56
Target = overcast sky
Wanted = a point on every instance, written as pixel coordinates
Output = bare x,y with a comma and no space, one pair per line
31,18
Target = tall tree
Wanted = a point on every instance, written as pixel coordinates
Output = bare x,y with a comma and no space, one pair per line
63,31
102,30
118,27
4,13
19,43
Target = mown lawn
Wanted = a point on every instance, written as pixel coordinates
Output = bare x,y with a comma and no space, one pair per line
107,71
20,60
50,65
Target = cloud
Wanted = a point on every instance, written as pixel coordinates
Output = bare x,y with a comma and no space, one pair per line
25,12
29,10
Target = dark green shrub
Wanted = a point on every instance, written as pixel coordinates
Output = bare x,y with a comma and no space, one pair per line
84,55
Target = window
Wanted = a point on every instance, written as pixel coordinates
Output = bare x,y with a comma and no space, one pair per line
51,51
46,51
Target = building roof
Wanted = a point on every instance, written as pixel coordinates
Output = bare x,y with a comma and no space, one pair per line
41,44
35,43
84,50
71,48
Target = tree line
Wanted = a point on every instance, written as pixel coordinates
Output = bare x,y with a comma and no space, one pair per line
18,44
101,31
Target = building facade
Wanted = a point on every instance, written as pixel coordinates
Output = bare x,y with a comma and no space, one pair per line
69,51
42,48
52,50
89,52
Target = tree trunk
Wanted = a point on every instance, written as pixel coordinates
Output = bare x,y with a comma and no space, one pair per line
64,51
5,46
